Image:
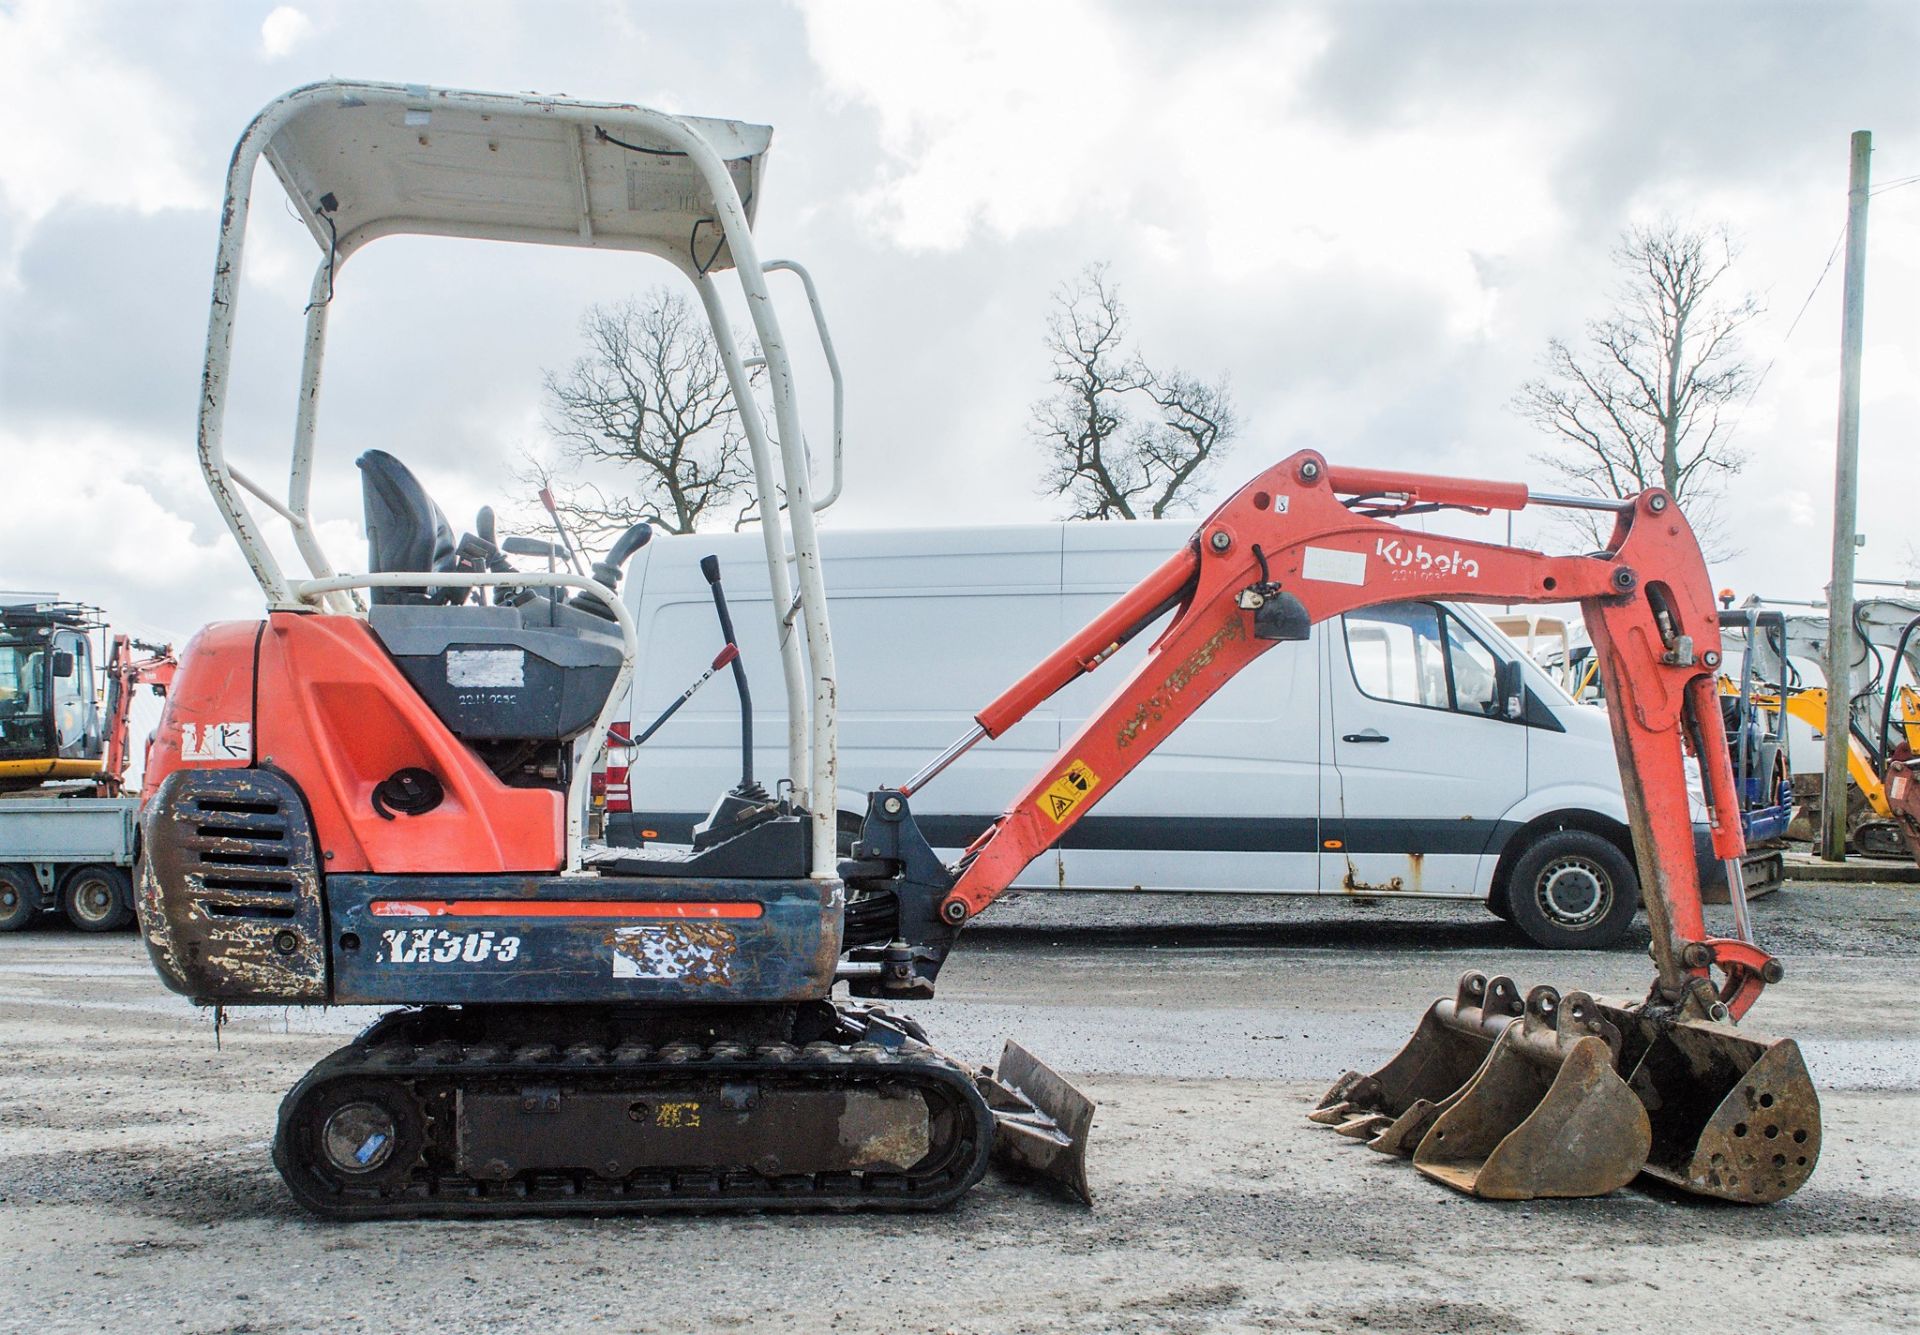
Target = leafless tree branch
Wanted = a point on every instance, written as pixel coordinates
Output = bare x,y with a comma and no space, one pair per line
644,422
1642,405
1121,440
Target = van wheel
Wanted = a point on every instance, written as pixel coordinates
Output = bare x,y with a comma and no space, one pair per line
19,898
97,899
1573,890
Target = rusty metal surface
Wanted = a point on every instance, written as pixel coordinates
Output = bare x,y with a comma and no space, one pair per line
1392,1108
1041,1121
1581,1094
229,888
1547,1115
740,1123
1734,1114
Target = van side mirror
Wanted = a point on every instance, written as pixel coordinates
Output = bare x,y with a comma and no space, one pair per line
1510,686
62,663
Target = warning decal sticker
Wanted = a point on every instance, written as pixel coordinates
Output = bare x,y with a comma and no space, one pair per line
1068,791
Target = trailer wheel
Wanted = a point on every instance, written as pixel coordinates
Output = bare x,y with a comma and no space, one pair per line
19,898
1573,890
97,898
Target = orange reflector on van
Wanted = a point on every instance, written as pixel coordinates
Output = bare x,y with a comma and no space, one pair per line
561,908
1333,843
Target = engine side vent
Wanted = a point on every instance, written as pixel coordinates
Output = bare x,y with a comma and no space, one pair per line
230,888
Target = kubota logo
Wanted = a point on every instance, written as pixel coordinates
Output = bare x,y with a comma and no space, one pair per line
1416,557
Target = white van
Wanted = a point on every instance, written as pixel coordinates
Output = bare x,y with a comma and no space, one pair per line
1370,761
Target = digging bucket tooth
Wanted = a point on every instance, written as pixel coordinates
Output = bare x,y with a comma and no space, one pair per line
1392,1108
1040,1121
1547,1115
1734,1115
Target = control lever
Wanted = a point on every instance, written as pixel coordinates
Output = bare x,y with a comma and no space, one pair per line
710,567
607,571
546,551
727,655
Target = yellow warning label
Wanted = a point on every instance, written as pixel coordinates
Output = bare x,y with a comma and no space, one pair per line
1067,791
677,1115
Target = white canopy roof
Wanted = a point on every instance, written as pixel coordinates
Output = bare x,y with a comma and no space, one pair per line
363,160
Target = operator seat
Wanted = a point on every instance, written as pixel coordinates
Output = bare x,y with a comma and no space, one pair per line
406,531
530,670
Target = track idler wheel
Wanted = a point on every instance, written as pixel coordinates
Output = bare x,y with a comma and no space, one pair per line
1546,1115
356,1140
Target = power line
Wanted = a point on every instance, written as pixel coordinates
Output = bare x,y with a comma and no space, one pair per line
1812,292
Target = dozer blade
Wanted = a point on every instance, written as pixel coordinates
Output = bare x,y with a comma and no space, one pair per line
1040,1121
1734,1115
1392,1108
1546,1115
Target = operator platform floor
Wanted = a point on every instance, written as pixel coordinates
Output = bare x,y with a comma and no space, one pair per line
136,1193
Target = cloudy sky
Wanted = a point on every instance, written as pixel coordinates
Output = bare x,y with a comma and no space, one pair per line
1372,216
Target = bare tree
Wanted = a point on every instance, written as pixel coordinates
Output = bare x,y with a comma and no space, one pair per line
1644,403
1102,458
644,424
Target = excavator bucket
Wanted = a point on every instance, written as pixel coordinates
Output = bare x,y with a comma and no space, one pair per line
1393,1108
1546,1115
1040,1121
1733,1114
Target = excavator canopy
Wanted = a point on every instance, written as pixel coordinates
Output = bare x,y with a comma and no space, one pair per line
363,160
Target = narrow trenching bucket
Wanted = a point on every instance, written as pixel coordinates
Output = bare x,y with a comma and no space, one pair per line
1040,1120
1547,1114
1393,1108
1733,1114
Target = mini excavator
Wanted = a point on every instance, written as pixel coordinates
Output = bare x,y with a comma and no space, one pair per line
375,794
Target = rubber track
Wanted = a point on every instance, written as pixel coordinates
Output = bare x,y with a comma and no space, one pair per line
432,1190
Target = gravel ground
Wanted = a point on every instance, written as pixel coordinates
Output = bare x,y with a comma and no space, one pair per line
138,1195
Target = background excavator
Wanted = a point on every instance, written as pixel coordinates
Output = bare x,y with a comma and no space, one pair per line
67,831
380,801
1789,651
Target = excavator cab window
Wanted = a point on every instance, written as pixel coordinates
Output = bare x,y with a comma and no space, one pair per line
23,701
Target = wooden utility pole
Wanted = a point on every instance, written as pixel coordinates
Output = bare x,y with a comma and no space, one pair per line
1846,489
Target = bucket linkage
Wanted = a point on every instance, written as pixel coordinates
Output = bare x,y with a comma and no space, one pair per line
1567,1095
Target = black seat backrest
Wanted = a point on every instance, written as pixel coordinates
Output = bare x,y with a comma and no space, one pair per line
406,531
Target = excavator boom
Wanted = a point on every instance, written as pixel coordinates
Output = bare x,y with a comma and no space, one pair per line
1303,542
1553,1095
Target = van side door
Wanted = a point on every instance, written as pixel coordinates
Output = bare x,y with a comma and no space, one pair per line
1230,799
1425,763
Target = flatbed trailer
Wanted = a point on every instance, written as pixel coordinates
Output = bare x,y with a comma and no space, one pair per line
67,854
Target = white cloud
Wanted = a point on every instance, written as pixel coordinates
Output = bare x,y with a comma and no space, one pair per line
87,126
283,30
123,520
1015,119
